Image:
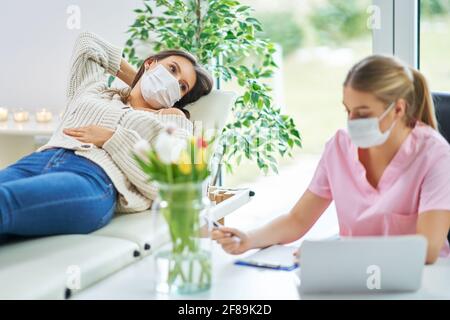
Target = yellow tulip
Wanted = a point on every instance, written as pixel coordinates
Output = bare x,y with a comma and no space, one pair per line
192,142
200,160
185,165
200,166
185,168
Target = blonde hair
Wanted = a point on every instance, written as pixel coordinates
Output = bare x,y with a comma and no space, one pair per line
389,80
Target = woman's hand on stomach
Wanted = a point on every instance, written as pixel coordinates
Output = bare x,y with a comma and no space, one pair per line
90,134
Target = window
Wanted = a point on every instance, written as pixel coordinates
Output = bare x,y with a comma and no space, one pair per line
320,40
435,43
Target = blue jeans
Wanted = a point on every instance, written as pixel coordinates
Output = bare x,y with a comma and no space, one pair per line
54,192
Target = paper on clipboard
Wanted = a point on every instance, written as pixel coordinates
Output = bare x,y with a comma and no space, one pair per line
276,257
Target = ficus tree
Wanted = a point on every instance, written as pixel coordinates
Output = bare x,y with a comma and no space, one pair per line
223,36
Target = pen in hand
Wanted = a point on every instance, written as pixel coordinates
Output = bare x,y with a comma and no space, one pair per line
217,226
232,240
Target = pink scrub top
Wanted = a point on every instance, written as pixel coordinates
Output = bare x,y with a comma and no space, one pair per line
417,180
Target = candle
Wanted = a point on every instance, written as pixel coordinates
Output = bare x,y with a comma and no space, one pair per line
3,114
43,115
21,116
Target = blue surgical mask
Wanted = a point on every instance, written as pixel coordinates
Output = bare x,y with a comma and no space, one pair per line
366,133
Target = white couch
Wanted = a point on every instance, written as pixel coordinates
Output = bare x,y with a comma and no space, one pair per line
43,268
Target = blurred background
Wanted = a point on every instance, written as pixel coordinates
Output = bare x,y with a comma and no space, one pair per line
320,41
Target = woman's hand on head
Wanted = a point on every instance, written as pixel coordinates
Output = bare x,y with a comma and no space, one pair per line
232,240
90,134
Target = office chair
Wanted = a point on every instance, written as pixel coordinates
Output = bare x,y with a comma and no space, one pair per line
442,106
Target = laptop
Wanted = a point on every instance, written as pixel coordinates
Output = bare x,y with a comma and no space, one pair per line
362,264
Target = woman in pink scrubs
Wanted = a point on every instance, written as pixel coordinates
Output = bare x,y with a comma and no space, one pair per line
388,173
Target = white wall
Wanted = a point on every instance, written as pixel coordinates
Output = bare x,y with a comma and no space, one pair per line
36,45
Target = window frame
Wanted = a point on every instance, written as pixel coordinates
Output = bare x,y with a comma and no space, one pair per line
399,32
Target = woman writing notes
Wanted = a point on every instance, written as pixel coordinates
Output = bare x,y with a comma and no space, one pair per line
388,173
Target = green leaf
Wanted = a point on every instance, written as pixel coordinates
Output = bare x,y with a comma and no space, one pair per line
247,97
290,142
137,23
243,8
230,36
254,97
149,9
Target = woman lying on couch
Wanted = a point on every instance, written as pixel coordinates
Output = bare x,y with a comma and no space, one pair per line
388,174
86,172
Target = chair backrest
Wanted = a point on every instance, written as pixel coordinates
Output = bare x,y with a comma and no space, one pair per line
212,111
442,106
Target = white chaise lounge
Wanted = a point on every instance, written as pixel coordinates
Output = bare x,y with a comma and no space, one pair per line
41,268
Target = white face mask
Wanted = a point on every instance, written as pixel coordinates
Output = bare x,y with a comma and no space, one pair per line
366,133
160,86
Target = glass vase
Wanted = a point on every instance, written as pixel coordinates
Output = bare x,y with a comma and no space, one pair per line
183,266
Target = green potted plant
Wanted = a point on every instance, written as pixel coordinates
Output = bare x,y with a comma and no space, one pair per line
223,34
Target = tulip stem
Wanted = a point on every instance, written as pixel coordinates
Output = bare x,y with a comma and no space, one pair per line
170,173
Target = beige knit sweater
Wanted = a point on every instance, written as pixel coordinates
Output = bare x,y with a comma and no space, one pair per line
90,103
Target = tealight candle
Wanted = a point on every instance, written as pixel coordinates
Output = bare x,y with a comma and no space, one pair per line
3,114
21,116
43,115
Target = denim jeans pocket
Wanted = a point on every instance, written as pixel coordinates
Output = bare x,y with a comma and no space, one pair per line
103,177
99,175
105,219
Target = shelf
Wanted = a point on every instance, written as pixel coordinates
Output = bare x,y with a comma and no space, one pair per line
30,128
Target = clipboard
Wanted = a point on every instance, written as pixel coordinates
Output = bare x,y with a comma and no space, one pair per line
276,257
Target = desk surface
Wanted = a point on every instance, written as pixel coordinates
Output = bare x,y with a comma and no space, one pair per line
231,282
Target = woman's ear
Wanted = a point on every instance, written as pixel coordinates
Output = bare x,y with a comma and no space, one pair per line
400,107
149,63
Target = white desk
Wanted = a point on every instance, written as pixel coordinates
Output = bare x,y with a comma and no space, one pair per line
19,139
231,282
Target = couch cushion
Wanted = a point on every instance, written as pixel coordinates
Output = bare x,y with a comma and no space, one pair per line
43,268
212,111
146,229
